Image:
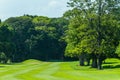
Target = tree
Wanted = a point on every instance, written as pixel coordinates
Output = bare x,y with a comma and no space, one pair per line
20,28
78,37
3,58
118,50
43,41
35,37
41,21
0,21
95,13
6,44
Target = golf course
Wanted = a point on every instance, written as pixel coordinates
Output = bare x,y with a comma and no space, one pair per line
38,70
59,39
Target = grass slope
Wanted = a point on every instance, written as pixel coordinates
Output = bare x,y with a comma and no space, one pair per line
36,70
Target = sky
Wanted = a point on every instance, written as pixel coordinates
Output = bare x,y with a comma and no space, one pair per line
50,8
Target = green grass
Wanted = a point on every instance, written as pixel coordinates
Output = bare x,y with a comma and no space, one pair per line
38,70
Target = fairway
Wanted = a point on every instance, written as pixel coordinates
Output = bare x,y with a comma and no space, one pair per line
37,70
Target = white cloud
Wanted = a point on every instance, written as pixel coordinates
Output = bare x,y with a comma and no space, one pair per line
53,3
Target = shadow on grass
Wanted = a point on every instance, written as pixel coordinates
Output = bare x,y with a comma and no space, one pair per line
110,62
111,66
2,66
60,60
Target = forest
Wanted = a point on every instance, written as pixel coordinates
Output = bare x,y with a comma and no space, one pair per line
89,32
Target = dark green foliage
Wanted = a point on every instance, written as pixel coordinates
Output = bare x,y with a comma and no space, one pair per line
46,36
36,37
6,45
20,29
3,58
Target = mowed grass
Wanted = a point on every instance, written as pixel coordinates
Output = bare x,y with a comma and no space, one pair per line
38,70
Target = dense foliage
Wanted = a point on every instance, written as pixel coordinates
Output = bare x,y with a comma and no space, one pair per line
34,37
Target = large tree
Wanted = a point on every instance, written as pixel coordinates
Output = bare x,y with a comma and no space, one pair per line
94,23
47,34
20,28
6,45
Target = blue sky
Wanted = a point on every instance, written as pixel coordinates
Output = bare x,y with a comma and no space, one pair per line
50,8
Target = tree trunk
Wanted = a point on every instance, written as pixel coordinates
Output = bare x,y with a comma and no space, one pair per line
81,60
99,62
94,61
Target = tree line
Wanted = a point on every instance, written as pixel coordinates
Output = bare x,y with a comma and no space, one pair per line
89,31
35,37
